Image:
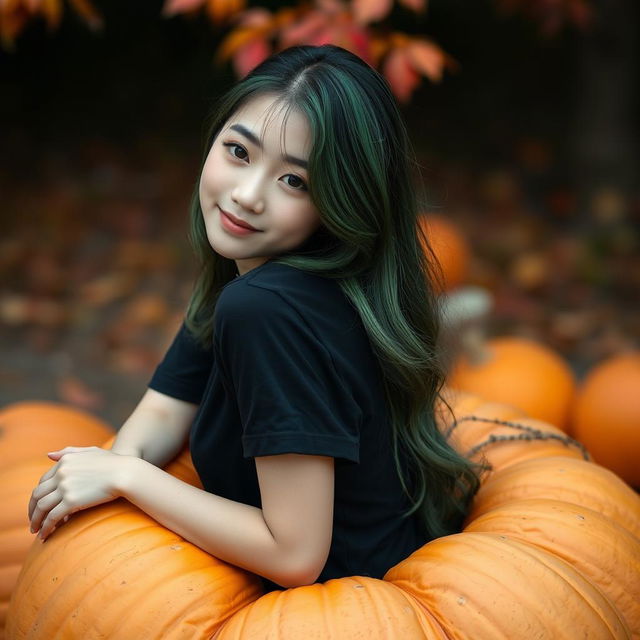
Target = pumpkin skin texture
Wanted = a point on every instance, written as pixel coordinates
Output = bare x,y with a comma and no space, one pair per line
449,246
601,550
484,585
135,579
335,610
522,373
606,415
16,484
29,429
578,482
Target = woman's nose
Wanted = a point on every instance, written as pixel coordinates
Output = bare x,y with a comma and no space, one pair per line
249,194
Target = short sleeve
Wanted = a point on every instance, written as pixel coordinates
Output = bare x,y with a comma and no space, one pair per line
184,370
290,397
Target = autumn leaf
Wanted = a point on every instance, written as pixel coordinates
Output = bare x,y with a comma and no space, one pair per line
365,11
402,77
221,10
254,24
52,11
250,56
86,11
429,59
304,30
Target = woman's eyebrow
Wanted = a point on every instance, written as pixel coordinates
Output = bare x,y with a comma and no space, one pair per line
251,136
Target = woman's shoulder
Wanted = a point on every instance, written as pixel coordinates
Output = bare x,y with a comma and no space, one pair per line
275,288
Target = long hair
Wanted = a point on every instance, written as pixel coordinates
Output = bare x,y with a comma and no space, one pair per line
360,170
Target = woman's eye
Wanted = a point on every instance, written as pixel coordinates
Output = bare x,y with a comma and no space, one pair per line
232,149
297,184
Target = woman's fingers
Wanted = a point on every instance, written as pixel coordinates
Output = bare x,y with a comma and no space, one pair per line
43,509
56,455
44,487
54,517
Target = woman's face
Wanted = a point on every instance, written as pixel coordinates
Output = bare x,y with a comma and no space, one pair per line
261,184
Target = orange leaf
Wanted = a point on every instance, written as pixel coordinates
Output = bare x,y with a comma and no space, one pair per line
254,24
86,11
366,11
427,58
402,77
172,7
221,10
52,10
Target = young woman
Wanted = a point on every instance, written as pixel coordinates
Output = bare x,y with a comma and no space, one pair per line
305,373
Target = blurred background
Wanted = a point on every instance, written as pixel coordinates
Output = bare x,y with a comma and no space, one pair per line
524,116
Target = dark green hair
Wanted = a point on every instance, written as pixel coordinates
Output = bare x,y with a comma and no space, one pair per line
369,241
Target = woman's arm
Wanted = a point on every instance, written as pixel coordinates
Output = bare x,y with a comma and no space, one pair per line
286,541
157,429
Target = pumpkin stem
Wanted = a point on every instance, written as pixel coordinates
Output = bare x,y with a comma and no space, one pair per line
465,312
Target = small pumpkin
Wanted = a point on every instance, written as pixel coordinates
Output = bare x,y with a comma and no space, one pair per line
449,246
605,415
519,372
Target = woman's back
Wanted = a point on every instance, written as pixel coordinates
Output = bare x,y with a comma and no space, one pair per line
292,371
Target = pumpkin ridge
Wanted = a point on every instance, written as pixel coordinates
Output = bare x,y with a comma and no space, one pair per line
583,587
43,561
577,535
59,594
584,483
142,594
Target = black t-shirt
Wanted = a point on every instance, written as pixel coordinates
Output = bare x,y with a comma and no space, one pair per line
292,371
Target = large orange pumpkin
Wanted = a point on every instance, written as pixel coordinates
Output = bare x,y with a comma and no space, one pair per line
520,372
555,526
605,415
113,572
449,246
29,429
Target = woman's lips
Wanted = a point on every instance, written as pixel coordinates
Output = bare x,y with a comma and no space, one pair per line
234,225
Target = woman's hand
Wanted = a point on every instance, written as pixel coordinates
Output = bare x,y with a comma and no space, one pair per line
83,477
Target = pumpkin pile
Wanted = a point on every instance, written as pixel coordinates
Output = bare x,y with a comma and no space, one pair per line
550,549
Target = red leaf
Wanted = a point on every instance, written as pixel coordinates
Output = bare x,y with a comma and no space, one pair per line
402,77
250,56
304,30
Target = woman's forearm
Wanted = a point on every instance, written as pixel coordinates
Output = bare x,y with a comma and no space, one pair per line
156,430
231,531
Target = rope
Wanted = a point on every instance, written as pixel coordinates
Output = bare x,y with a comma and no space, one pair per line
530,433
